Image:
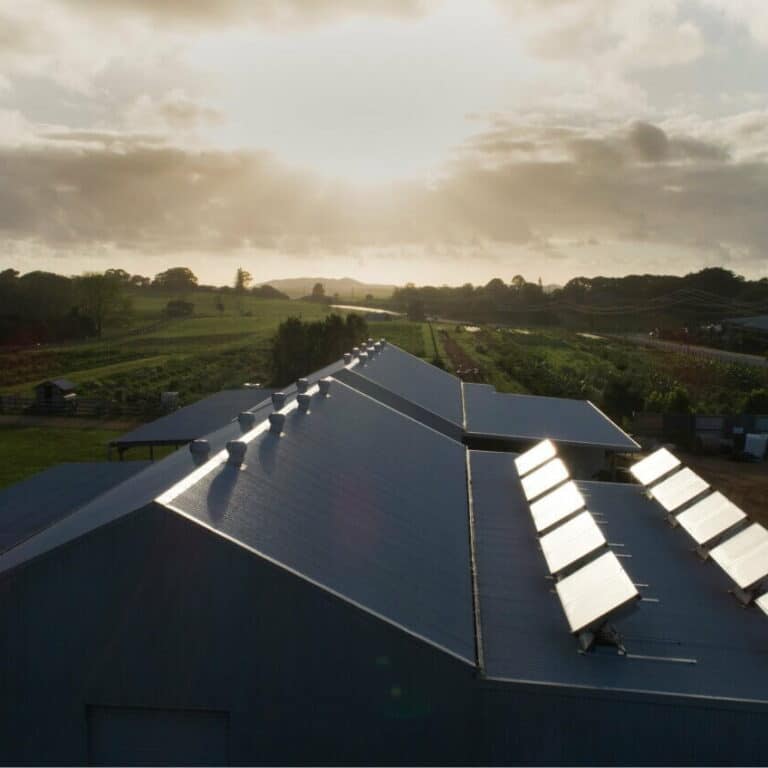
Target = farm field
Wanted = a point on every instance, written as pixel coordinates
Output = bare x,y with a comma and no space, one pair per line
25,451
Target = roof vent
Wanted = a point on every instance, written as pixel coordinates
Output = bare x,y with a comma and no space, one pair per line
372,350
246,420
236,450
370,341
200,450
347,358
377,346
355,351
276,423
383,341
278,400
301,385
303,401
363,356
324,385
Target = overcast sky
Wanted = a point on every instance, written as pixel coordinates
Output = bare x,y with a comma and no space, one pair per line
434,141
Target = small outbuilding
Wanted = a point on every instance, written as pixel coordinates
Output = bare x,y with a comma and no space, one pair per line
55,395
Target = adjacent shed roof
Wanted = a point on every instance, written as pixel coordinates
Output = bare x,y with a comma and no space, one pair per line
43,499
529,417
413,380
194,421
755,323
524,631
349,499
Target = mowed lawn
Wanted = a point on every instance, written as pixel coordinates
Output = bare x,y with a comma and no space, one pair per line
24,451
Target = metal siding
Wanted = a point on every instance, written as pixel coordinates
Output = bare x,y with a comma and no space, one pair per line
41,500
363,501
415,380
530,417
156,612
525,633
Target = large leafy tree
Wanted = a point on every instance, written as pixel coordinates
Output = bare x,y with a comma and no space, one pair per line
176,279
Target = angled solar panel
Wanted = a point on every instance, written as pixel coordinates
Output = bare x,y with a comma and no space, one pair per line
709,518
571,542
535,457
591,594
544,479
556,506
679,489
744,557
652,467
762,603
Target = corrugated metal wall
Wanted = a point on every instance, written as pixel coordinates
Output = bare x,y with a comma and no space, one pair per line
154,613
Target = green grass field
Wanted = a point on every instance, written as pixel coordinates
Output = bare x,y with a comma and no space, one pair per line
24,451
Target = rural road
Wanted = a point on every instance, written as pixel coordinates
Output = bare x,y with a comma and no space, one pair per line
691,349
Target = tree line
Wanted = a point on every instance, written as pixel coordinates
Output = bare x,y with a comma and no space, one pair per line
633,302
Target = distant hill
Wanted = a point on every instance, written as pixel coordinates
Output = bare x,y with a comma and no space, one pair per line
346,287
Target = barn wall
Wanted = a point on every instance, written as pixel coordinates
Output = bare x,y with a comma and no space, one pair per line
553,725
155,612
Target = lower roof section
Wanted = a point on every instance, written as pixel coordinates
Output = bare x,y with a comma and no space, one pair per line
525,418
194,421
47,497
696,640
360,500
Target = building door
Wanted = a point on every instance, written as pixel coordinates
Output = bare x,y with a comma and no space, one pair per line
138,736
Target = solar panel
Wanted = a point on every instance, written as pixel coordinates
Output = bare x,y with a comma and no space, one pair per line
744,557
535,457
571,542
762,603
556,506
679,489
544,479
594,592
709,518
652,467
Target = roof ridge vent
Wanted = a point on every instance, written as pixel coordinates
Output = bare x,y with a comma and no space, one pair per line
246,419
324,385
302,385
236,450
200,450
303,400
278,400
276,423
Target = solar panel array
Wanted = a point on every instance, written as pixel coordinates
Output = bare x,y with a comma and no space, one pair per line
591,583
715,524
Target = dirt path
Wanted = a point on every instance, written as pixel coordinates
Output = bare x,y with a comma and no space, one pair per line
465,366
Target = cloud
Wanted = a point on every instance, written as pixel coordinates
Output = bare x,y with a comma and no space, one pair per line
220,12
633,183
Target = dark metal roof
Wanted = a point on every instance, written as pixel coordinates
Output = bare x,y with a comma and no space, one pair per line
755,323
131,495
361,501
415,380
194,421
43,499
524,631
530,417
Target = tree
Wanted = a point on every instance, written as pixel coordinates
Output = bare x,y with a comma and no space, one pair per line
176,279
100,299
118,274
518,281
756,401
139,281
243,280
318,291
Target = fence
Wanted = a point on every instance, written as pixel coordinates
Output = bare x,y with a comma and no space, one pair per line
15,405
